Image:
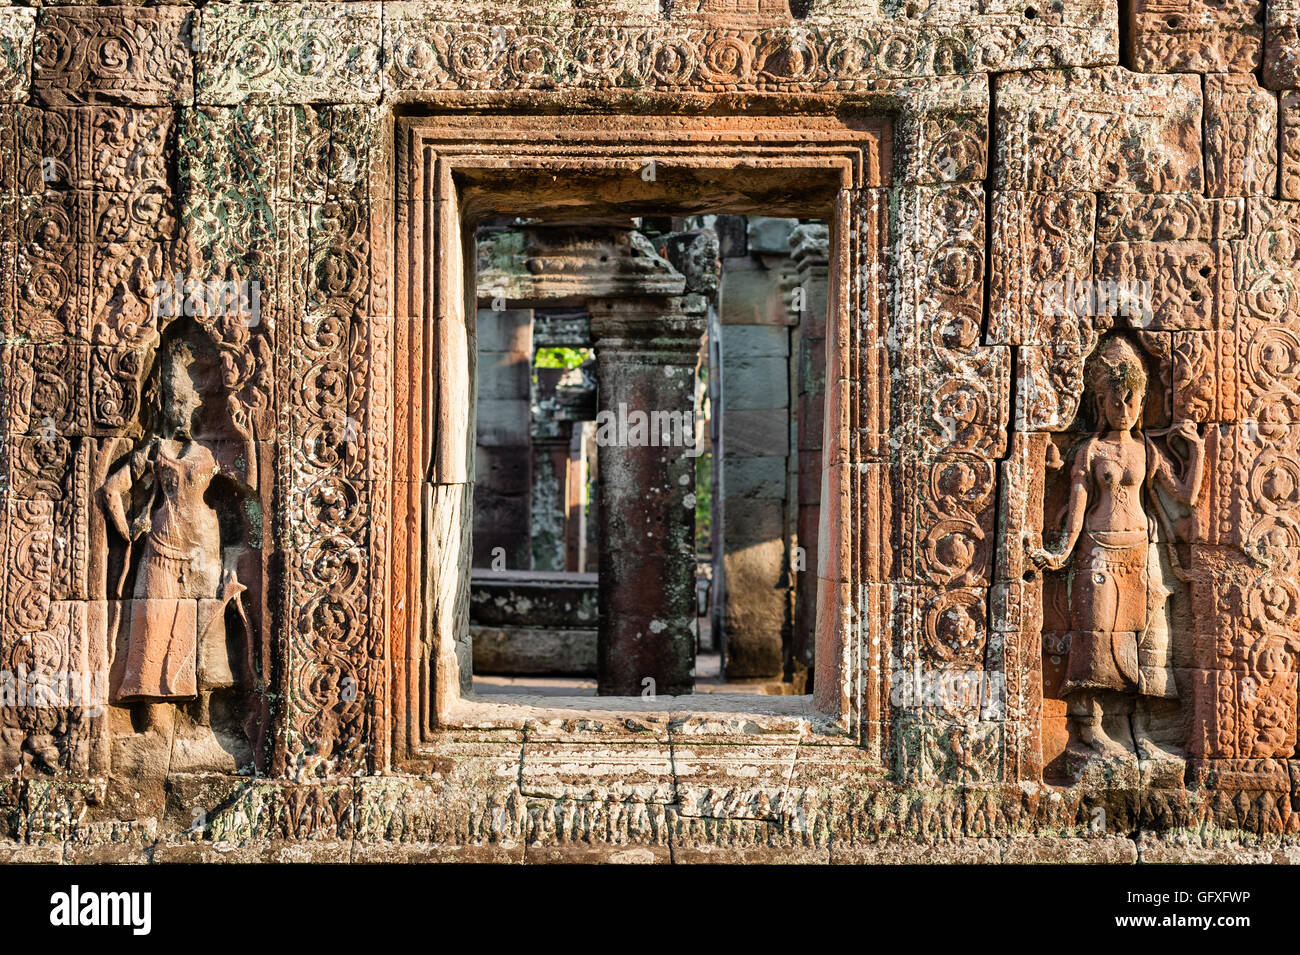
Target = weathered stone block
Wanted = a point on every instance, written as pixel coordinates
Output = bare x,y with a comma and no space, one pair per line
695,255
754,477
502,376
17,28
1195,36
134,55
753,521
500,535
504,470
757,608
1282,45
944,138
590,771
1290,151
1098,129
508,330
1241,151
533,651
503,422
702,773
755,341
518,599
770,235
755,434
755,295
332,53
1042,267
1167,285
754,383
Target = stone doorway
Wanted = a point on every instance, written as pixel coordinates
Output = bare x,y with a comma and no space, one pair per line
594,179
751,413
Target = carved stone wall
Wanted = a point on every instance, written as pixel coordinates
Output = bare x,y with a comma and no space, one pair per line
1008,188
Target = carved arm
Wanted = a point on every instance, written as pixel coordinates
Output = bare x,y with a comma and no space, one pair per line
113,493
1187,490
1078,506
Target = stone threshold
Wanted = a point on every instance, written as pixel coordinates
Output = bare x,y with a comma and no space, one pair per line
700,715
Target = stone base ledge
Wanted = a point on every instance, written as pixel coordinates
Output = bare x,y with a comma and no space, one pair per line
1146,848
493,802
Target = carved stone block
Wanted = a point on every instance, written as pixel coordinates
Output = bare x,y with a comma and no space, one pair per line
1204,376
1282,45
1196,36
1098,129
17,29
1240,714
590,770
1133,217
430,46
1102,308
1240,137
936,751
327,52
1289,118
1042,291
943,139
1162,286
1048,384
134,55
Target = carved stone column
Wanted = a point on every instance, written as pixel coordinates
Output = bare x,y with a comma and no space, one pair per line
563,399
549,528
647,352
575,527
809,246
503,476
756,505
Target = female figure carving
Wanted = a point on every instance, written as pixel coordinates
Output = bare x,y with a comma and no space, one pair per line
1119,641
176,631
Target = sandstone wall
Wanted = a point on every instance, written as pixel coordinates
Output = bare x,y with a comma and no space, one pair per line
1028,146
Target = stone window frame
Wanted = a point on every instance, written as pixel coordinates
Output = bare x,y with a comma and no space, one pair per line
452,166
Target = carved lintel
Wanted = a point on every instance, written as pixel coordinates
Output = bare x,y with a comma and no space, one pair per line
542,266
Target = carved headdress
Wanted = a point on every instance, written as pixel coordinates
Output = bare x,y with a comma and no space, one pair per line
1115,364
